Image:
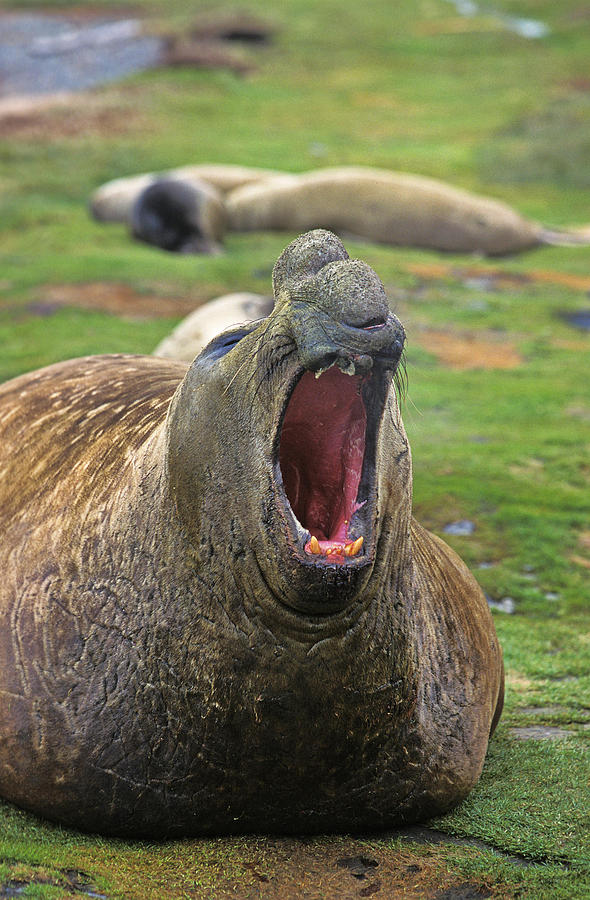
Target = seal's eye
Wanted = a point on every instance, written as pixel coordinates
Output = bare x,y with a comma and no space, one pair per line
224,342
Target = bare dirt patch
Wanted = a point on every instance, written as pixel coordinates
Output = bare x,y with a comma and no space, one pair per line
59,116
498,279
539,733
519,683
116,298
469,350
313,868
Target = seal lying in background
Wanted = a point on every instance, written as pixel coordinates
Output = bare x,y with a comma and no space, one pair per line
181,211
201,326
374,204
386,207
114,201
217,613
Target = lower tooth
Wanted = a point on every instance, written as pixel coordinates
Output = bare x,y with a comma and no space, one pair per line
354,548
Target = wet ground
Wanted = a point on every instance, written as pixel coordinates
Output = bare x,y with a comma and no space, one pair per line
49,54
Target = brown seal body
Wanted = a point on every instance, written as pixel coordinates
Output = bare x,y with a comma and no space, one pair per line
386,207
216,613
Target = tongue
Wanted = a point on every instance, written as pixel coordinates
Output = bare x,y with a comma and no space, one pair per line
321,456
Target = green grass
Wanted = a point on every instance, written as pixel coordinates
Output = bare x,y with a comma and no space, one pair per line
403,87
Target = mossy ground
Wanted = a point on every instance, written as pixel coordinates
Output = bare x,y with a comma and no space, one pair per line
408,86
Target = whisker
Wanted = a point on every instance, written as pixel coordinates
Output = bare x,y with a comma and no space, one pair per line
400,380
236,373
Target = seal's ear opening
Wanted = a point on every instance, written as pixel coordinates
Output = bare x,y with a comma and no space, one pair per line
224,342
322,448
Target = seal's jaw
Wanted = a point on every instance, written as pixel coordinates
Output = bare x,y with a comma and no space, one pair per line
326,463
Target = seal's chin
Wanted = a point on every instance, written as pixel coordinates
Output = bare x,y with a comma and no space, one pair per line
326,458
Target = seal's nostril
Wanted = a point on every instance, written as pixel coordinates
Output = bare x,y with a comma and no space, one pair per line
372,324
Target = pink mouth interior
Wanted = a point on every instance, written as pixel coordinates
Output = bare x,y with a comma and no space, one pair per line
321,454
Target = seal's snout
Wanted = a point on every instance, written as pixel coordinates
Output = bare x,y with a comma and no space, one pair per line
337,307
321,344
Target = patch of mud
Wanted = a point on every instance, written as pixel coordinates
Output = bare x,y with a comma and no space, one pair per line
57,116
469,350
116,298
349,868
463,892
488,279
72,882
579,318
412,863
541,710
540,733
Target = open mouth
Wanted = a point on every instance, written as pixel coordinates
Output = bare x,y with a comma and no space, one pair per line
322,454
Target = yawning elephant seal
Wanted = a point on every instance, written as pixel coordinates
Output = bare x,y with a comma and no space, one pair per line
216,612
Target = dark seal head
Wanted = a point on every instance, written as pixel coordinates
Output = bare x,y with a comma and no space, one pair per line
179,216
217,613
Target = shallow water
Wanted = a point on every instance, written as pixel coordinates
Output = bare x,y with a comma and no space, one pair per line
532,29
579,319
46,54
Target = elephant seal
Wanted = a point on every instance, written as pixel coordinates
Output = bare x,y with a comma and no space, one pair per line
201,326
179,216
217,614
385,207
